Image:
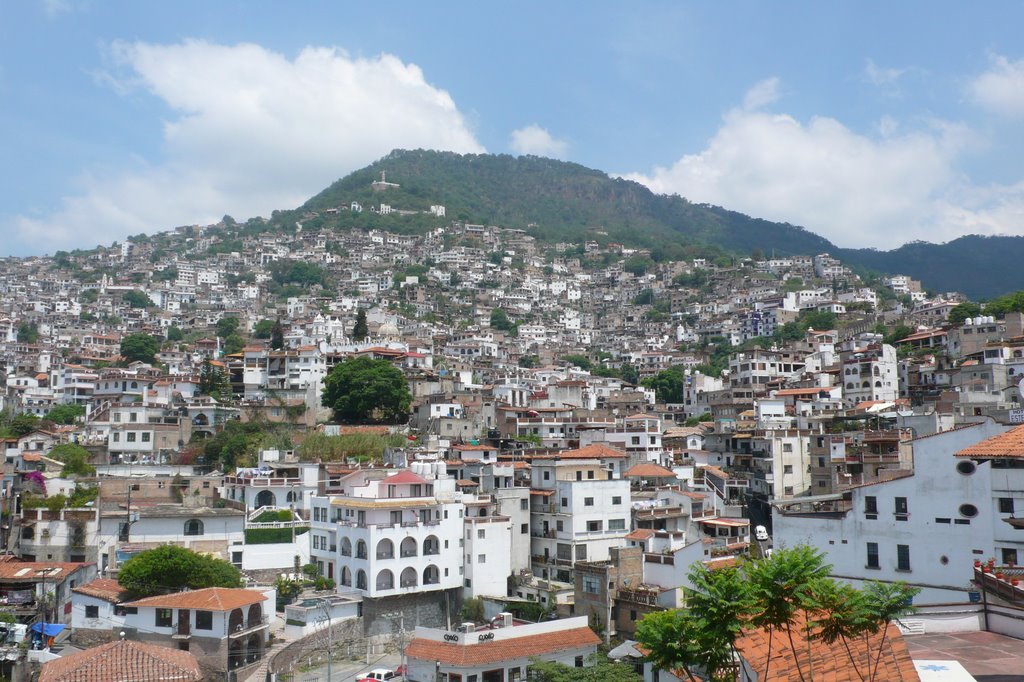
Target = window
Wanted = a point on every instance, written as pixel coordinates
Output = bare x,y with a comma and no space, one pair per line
131,436
559,526
581,552
1009,556
968,510
902,557
901,507
590,584
163,618
524,505
145,437
524,528
481,558
590,474
588,501
594,526
193,527
1005,505
547,475
787,469
481,533
92,611
579,662
204,620
565,502
616,500
871,505
616,524
117,437
872,555
966,468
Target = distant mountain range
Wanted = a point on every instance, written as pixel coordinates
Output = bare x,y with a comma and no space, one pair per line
561,201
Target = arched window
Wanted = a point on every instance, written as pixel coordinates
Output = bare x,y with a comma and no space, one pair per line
385,549
409,577
431,545
409,547
878,384
346,576
346,547
431,576
193,527
360,550
866,384
360,579
293,496
850,385
385,580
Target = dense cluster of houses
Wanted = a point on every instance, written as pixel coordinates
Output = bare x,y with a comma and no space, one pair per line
542,477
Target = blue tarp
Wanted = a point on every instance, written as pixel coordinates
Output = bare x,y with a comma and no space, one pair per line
52,629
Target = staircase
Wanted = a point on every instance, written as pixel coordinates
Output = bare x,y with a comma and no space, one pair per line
260,673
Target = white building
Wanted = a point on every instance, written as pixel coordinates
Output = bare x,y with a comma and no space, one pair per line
926,528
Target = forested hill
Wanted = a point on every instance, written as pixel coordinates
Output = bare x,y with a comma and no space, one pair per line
561,201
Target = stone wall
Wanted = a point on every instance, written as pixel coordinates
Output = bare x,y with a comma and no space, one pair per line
346,636
384,616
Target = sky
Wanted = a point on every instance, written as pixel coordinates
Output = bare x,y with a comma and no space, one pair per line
871,123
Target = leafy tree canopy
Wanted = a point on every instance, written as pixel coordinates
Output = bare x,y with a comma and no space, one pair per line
170,568
599,670
139,347
75,458
226,326
500,321
66,414
263,329
360,331
668,385
137,299
581,361
175,333
362,389
962,311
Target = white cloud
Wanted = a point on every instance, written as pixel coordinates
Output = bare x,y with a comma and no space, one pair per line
252,131
1001,88
851,188
761,95
881,76
54,8
537,141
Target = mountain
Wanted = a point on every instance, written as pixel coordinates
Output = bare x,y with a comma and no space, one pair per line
561,201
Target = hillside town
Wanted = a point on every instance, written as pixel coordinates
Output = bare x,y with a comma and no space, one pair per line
585,424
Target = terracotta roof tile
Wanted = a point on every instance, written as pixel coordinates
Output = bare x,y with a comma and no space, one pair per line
649,470
641,534
29,571
208,599
106,589
123,661
830,663
592,451
502,649
1006,445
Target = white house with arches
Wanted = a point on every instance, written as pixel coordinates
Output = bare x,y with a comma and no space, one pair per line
391,532
280,481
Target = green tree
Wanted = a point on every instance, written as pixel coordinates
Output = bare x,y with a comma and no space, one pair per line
669,385
67,413
75,459
645,297
137,299
899,332
226,326
28,332
89,296
962,311
23,423
360,331
637,265
528,361
277,336
499,320
175,333
214,381
581,361
363,389
234,343
170,568
139,347
600,670
263,329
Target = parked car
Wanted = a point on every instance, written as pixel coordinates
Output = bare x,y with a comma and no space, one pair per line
376,675
760,533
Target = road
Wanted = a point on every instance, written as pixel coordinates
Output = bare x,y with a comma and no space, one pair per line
343,669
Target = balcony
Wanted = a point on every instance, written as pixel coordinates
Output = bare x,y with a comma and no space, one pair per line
250,626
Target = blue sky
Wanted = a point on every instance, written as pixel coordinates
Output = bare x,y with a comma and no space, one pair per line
872,124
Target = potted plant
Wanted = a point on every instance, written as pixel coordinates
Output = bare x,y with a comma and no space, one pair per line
977,563
1000,575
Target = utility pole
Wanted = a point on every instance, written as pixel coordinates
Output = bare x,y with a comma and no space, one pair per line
325,604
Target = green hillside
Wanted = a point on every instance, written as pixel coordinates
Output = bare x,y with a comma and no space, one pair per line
561,201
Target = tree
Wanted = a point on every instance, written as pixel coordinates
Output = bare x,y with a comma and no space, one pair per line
67,413
234,343
962,311
23,423
214,381
601,670
226,326
170,568
499,320
75,459
28,332
139,347
277,336
360,331
137,299
668,385
528,361
363,389
581,361
263,329
645,297
175,333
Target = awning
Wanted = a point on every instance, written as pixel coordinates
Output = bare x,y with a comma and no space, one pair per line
52,629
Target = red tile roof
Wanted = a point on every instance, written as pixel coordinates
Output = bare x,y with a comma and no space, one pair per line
830,663
208,599
29,571
1006,445
459,655
593,451
106,589
649,470
641,534
123,661
404,477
